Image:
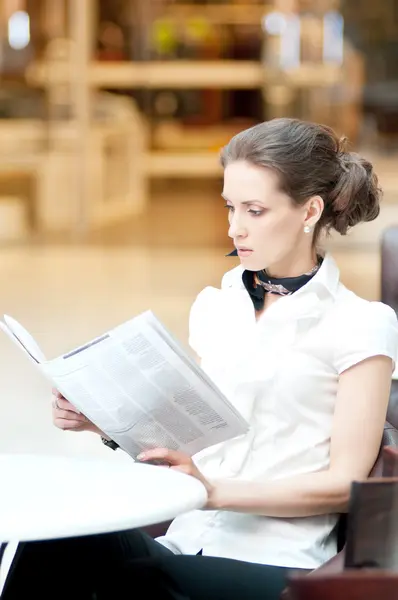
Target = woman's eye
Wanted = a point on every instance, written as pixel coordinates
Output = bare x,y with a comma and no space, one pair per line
229,207
255,213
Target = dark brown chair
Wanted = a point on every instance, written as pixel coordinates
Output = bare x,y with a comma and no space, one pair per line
389,267
371,554
382,468
372,532
371,526
349,585
390,461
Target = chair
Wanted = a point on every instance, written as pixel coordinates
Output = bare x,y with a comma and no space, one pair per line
350,585
371,513
389,294
383,467
389,267
372,532
390,461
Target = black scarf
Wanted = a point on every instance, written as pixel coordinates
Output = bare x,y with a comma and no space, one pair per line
259,283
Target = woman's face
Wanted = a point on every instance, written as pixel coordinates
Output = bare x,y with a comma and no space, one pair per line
265,225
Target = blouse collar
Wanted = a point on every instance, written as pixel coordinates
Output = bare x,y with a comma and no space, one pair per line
326,279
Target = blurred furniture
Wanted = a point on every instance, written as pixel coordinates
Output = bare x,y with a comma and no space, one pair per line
18,199
308,77
380,100
13,219
45,154
47,497
350,585
389,286
389,267
308,37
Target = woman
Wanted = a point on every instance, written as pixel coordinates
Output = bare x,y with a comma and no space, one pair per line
307,362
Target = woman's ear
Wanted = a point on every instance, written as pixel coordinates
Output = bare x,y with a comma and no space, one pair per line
313,212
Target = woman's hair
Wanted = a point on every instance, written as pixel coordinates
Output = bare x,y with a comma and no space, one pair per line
312,161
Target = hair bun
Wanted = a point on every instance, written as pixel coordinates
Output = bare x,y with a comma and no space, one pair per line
356,196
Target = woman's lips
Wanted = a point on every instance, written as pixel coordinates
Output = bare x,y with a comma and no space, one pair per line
244,252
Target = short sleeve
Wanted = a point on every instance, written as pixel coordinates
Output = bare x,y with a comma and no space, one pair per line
369,330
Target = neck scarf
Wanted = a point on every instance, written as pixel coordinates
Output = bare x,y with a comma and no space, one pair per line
259,283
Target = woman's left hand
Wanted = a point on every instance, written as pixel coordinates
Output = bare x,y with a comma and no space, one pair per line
179,462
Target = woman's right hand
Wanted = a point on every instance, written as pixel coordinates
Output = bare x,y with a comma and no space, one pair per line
68,418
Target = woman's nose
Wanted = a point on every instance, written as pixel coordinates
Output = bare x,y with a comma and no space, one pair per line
236,229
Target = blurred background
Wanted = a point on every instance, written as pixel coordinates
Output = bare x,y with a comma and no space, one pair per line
112,115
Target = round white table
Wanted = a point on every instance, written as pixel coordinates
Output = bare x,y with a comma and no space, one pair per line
47,497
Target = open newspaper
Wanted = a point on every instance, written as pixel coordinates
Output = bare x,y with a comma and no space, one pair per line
138,385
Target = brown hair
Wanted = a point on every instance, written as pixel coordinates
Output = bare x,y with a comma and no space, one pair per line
312,161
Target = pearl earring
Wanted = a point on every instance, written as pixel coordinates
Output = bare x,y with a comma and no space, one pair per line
307,229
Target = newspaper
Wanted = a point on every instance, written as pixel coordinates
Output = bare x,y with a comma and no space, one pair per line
137,384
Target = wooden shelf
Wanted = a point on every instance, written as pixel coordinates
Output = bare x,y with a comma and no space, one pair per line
228,14
182,164
174,136
185,74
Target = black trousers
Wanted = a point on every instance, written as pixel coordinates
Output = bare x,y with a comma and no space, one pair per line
131,565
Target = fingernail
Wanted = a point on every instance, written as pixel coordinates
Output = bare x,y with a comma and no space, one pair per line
141,456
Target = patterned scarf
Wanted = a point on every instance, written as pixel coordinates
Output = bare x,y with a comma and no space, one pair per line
259,283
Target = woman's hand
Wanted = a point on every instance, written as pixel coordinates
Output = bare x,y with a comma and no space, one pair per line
67,417
179,462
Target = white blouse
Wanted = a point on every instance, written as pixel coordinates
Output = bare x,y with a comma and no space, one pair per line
282,373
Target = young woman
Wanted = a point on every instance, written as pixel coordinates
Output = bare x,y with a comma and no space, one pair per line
306,361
